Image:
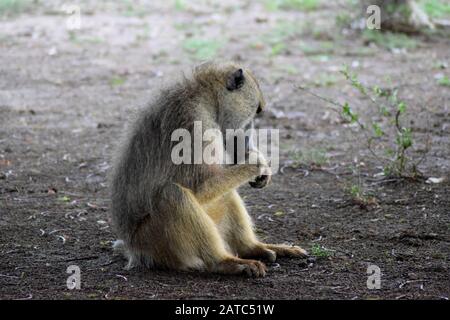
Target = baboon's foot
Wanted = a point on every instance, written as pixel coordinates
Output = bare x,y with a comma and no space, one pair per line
259,251
283,250
251,268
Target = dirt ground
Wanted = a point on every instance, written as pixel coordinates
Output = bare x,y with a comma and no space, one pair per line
64,99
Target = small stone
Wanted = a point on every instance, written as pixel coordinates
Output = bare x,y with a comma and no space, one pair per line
311,260
413,276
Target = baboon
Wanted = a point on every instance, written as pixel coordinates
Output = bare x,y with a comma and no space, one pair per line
190,216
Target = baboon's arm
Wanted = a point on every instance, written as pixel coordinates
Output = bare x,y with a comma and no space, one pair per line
225,180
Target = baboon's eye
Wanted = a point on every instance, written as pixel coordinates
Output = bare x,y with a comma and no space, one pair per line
235,80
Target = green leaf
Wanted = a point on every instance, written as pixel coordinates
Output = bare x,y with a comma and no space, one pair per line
393,96
435,8
277,48
345,71
377,130
389,152
64,199
401,107
349,113
384,111
377,90
355,191
320,251
444,81
346,109
404,138
117,81
180,5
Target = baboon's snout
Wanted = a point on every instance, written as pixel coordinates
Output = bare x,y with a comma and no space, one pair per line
259,110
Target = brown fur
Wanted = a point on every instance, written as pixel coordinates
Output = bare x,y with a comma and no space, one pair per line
190,216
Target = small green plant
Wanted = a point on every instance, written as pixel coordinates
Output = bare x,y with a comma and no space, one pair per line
319,251
435,8
202,49
277,37
343,20
355,191
361,197
64,199
117,81
180,5
13,7
444,81
388,139
358,192
277,48
389,40
301,5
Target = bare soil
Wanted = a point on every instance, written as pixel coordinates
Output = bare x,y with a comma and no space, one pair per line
65,97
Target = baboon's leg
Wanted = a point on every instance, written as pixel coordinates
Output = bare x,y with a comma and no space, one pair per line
180,235
235,225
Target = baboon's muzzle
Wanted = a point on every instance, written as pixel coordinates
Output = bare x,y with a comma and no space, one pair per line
259,110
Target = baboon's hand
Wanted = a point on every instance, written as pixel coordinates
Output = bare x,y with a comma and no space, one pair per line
260,181
265,173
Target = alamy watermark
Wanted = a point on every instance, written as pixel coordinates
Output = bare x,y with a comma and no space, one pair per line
235,146
74,280
374,278
374,20
73,22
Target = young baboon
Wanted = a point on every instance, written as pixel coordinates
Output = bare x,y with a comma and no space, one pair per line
190,216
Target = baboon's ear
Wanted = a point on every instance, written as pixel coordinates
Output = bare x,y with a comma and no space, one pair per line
235,80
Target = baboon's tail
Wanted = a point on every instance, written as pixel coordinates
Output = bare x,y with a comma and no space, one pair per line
119,246
135,259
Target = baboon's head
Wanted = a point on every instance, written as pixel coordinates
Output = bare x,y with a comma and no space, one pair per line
238,95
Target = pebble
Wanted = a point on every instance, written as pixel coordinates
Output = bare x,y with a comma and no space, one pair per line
311,260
